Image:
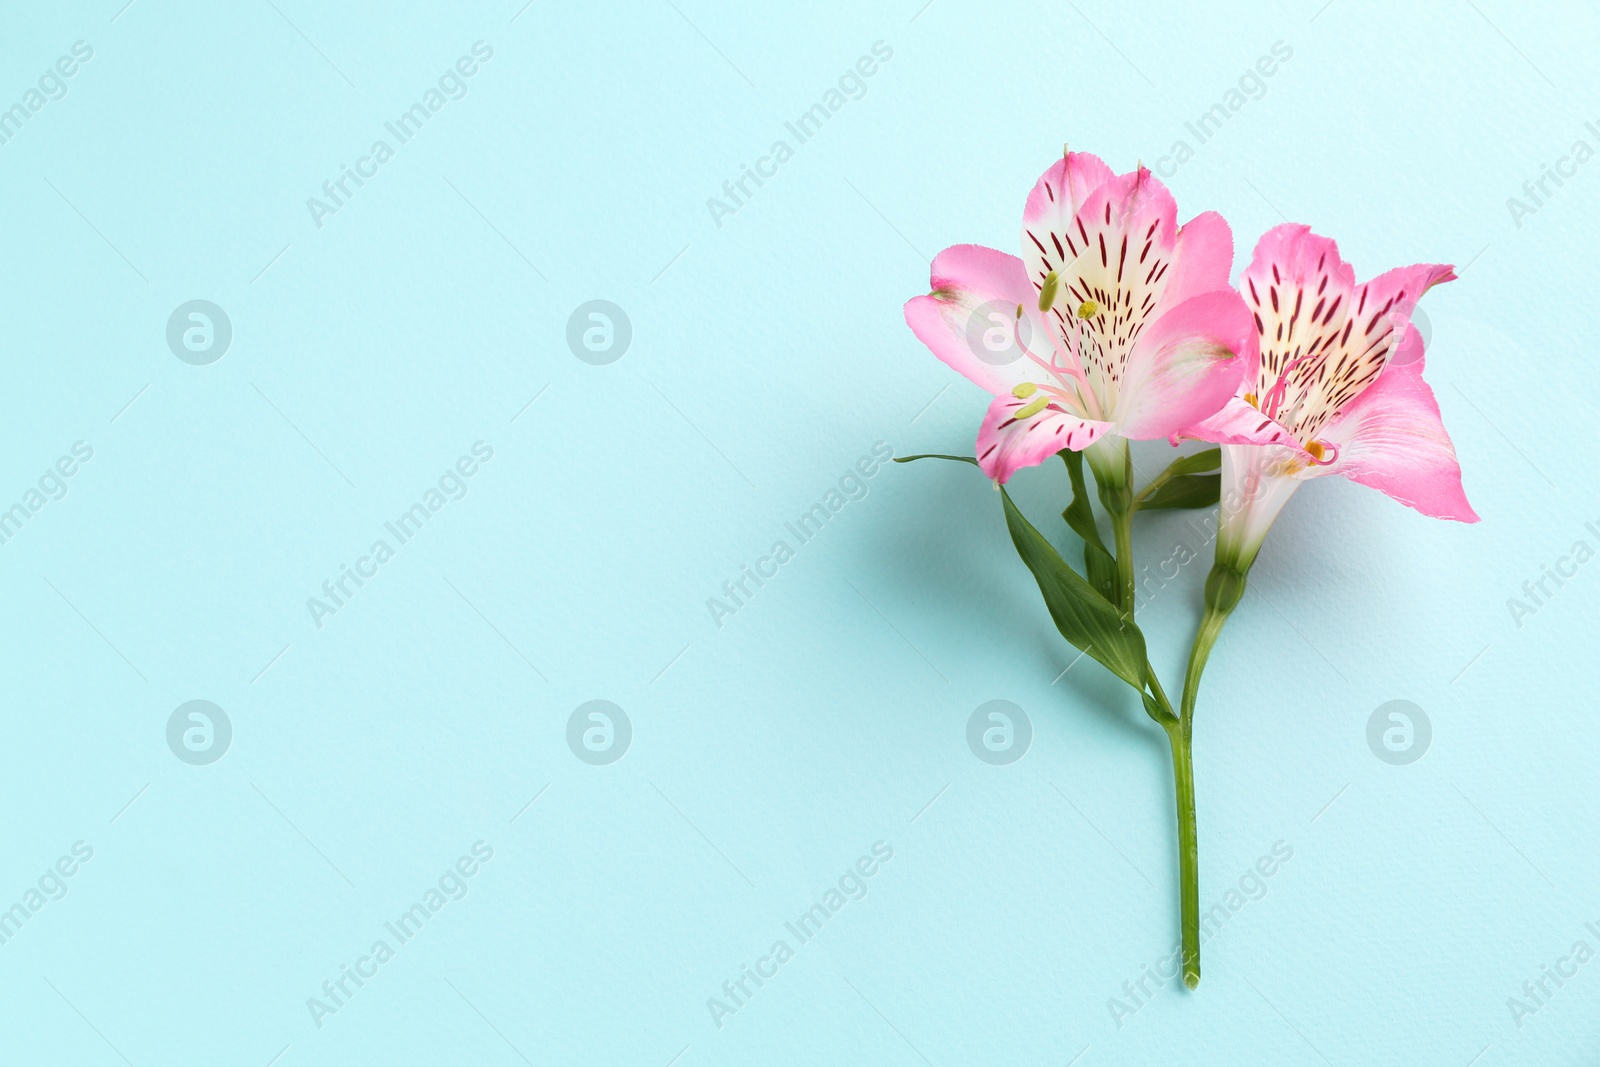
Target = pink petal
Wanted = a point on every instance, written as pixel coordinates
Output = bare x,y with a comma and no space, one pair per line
1240,423
1327,338
1118,251
1379,332
1185,366
1204,259
1396,292
1301,292
1059,193
1392,439
1386,302
1006,444
976,293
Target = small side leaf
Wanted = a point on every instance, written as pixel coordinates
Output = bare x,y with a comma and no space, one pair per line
1186,483
1209,459
1098,562
1188,491
1084,617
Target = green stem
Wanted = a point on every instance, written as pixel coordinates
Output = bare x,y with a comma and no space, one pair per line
1224,588
1211,624
1122,527
1114,478
1120,503
1179,736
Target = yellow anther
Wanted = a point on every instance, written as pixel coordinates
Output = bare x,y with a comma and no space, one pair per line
1253,400
1088,309
1033,409
1316,450
1025,390
1047,291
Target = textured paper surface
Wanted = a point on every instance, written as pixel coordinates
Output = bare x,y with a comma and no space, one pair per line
376,340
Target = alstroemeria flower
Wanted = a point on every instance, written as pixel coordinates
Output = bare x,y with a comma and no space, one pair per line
1113,321
1335,388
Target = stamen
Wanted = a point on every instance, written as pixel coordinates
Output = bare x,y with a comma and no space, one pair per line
1088,309
1047,292
1275,395
1322,453
1038,405
1025,390
1064,364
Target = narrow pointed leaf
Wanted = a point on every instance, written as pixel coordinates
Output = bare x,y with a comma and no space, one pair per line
1084,617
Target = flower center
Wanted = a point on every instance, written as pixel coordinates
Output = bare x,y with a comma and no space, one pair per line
1321,453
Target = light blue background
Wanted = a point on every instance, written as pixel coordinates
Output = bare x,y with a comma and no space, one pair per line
768,354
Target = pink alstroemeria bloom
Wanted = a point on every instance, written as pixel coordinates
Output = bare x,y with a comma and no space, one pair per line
1335,388
1115,321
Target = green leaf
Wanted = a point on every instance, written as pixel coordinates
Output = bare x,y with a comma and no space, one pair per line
1153,708
1083,616
1208,460
1185,483
1098,563
1188,491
